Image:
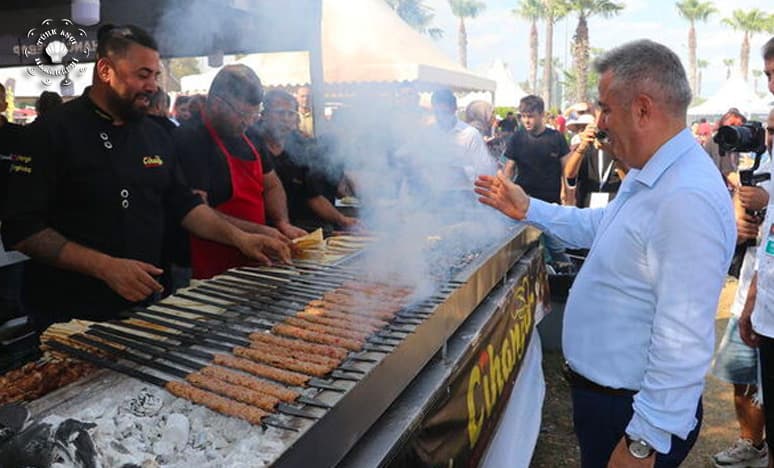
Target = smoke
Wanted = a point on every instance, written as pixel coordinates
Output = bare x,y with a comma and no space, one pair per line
414,183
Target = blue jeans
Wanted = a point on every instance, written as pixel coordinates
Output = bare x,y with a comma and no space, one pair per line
600,422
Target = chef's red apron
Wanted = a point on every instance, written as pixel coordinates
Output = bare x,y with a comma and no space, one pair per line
211,258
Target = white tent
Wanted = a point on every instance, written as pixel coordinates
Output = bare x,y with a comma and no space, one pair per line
508,92
362,42
735,92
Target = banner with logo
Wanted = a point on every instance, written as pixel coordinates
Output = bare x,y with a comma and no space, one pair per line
458,429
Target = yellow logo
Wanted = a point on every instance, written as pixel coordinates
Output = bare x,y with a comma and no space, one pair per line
152,161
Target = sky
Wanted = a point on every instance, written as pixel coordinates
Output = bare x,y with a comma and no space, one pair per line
497,33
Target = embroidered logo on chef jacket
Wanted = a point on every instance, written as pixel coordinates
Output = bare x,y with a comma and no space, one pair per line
19,164
152,161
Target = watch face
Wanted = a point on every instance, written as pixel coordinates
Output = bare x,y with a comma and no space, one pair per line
640,449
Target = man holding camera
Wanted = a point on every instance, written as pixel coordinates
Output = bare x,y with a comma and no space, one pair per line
639,326
756,324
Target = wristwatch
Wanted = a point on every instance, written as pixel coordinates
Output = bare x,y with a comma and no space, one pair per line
638,448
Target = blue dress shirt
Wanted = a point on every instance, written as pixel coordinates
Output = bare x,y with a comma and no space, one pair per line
641,312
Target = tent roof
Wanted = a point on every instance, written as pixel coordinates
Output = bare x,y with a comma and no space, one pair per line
362,42
735,92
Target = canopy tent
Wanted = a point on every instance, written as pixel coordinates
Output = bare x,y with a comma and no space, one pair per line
377,47
508,93
735,92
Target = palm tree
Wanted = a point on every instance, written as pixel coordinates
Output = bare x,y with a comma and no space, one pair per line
694,10
750,22
701,64
418,15
554,10
531,10
729,62
580,48
465,9
756,74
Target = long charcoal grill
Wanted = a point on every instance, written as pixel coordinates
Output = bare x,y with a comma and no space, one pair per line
322,427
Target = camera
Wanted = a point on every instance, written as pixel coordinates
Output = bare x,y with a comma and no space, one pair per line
750,137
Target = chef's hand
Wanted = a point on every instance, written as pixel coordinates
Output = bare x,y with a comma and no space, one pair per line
261,248
621,458
746,331
502,194
752,197
290,231
273,233
351,224
131,279
746,227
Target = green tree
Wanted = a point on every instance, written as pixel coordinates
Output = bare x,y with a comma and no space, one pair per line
176,68
750,22
554,10
418,15
465,9
728,63
570,79
580,47
693,11
701,65
532,11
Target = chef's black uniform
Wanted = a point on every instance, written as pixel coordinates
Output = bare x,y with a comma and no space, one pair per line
11,145
103,186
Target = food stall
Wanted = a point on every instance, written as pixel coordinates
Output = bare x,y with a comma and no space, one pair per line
329,361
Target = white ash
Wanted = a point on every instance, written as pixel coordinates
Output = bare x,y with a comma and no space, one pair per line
151,428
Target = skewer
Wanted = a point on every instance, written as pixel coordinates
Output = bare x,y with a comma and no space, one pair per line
311,382
249,413
196,366
196,331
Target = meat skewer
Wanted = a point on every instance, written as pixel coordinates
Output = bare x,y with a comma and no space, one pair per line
183,390
227,360
295,354
283,362
246,395
265,359
220,373
315,337
305,346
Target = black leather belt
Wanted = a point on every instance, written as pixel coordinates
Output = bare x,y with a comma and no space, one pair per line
578,381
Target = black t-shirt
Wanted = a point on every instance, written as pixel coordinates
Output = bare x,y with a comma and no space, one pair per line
204,164
508,125
538,159
298,180
103,186
12,143
588,180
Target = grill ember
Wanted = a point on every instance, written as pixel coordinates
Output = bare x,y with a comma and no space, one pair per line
278,331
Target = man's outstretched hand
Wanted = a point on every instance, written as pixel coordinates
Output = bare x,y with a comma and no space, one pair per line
502,194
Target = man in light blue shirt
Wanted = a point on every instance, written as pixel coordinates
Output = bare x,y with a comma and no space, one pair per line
639,322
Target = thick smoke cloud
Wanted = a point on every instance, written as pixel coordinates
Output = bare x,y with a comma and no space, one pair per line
414,193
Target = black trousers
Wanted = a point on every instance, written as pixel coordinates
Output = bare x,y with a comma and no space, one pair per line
600,421
766,353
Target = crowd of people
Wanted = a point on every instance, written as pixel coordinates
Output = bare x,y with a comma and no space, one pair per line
120,196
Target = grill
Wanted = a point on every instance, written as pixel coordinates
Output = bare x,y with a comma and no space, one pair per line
315,352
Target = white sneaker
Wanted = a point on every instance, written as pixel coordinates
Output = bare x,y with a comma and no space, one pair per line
742,455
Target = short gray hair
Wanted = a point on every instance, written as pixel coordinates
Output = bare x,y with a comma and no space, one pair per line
648,67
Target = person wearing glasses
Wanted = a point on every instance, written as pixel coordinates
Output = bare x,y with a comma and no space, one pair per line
310,180
88,203
223,165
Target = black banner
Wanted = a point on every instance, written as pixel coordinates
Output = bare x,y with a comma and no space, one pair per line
458,430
